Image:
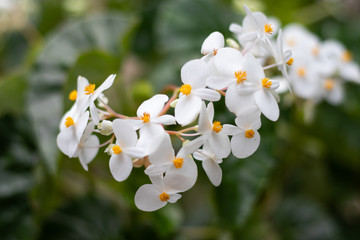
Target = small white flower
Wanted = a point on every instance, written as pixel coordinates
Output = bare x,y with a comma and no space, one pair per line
193,91
105,127
125,149
211,45
151,197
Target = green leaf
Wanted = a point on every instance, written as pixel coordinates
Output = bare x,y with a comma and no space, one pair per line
12,95
48,76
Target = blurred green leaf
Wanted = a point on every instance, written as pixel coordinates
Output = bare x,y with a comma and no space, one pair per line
12,95
47,78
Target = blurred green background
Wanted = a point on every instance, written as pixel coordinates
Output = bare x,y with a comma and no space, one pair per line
302,183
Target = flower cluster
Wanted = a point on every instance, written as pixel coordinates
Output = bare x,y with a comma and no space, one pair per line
320,68
234,71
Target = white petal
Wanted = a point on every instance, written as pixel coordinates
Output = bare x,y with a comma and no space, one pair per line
249,119
213,171
153,106
235,28
80,125
207,94
157,169
135,123
243,147
205,125
236,102
213,42
134,152
187,109
192,146
219,144
120,166
267,104
165,119
94,113
254,70
124,133
201,155
219,83
229,129
148,135
67,141
174,197
105,85
195,72
162,151
228,61
87,154
147,198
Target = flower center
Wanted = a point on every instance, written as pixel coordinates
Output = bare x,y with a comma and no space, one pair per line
329,84
217,127
178,162
116,149
301,72
185,89
249,133
266,82
346,56
268,28
240,76
215,51
315,51
290,62
89,89
73,95
164,197
145,117
69,121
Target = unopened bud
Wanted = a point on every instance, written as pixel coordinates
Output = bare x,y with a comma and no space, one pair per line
173,103
232,43
105,127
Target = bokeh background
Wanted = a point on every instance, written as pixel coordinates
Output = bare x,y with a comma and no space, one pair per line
302,183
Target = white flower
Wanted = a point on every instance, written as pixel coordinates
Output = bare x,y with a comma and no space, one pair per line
214,137
333,91
211,45
193,91
151,197
210,163
150,123
282,58
69,137
88,146
124,150
163,159
246,138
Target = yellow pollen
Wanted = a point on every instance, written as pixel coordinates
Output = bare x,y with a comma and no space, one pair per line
116,149
315,51
89,89
145,117
215,52
290,62
178,162
301,72
73,95
240,76
268,28
69,122
249,133
185,89
346,56
164,197
266,83
217,127
329,84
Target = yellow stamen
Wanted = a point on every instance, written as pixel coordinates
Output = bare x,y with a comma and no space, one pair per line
69,121
164,197
240,76
268,28
329,84
145,117
89,89
185,89
315,51
116,149
290,62
301,72
178,162
215,52
346,56
217,127
249,133
73,95
266,82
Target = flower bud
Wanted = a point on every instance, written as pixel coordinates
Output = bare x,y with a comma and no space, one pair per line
232,43
105,127
173,103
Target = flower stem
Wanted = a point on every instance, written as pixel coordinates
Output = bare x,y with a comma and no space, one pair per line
175,90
